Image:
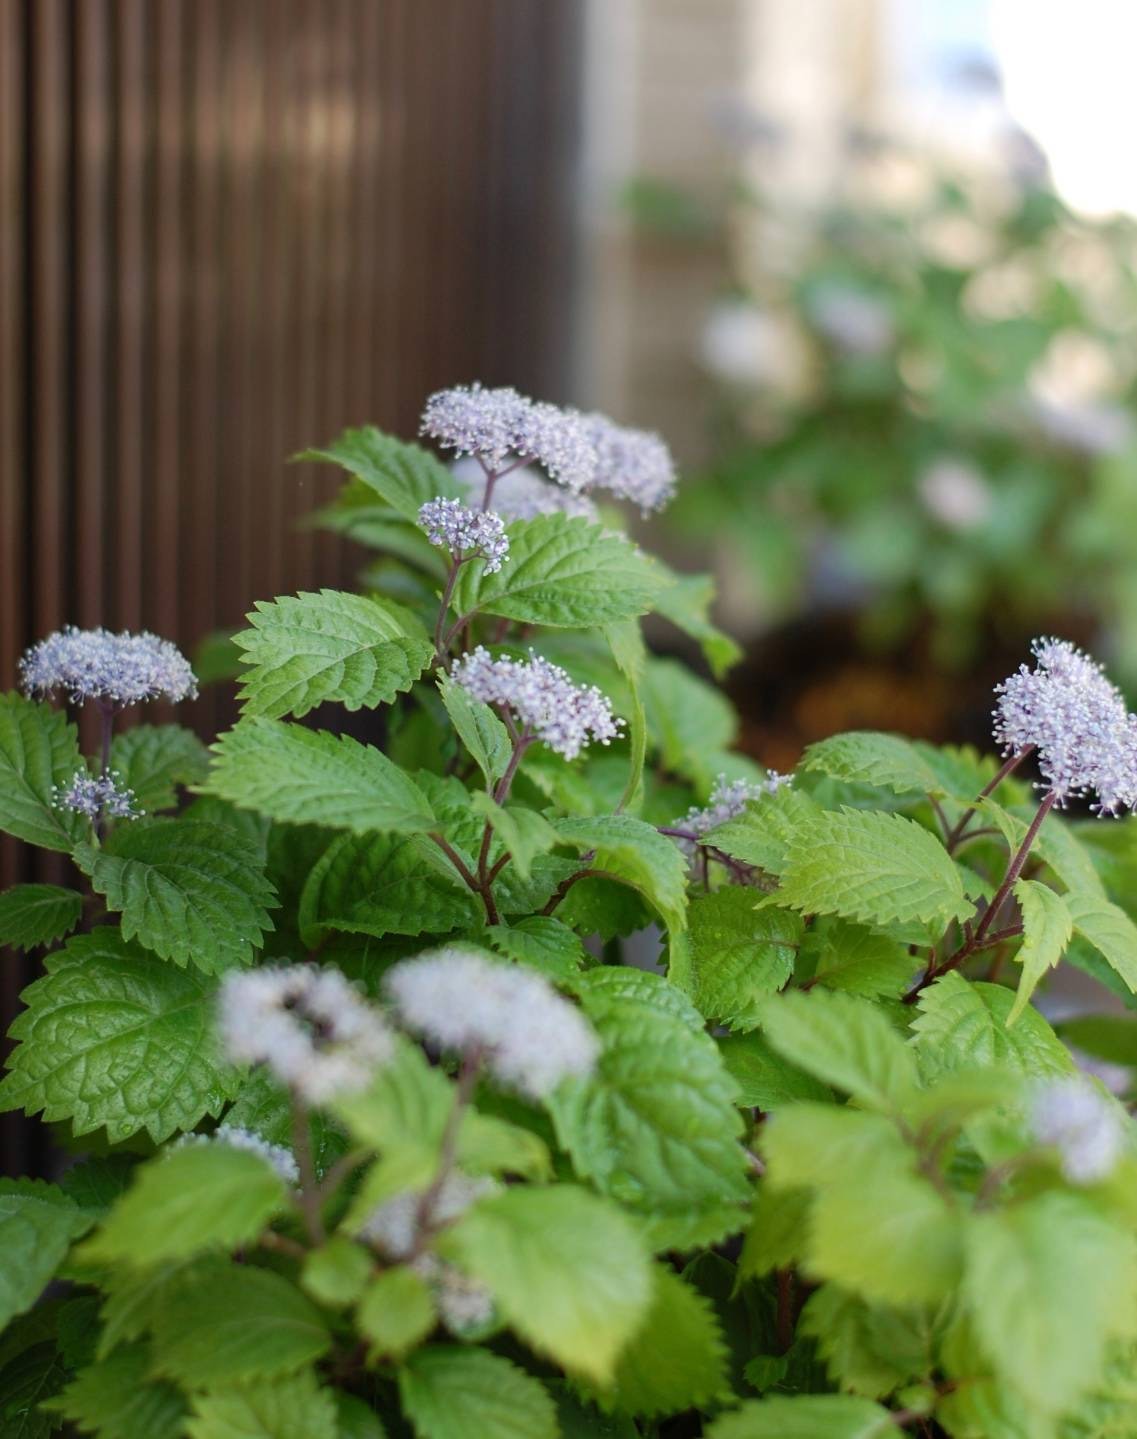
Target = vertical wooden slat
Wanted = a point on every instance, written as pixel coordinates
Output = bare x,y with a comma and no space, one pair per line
13,210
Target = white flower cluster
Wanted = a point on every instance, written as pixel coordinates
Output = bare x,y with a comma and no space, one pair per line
466,532
97,797
464,1305
276,1155
581,452
528,1035
312,1028
1082,1125
853,322
523,493
727,800
542,697
124,669
1066,709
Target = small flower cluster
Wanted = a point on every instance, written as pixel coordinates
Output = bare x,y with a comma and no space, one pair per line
529,1037
727,801
1069,712
543,699
523,493
465,532
580,452
276,1155
122,669
1072,1117
310,1026
97,797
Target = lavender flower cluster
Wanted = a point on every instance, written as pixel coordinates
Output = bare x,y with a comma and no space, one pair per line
123,669
542,697
97,798
581,452
465,532
275,1155
1081,1125
1077,720
727,801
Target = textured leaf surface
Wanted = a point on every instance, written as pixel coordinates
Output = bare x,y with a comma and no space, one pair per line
292,1408
765,1079
761,835
192,892
689,721
872,867
152,759
811,1416
542,942
963,1026
304,650
38,1223
740,955
1048,928
452,1393
38,750
849,957
870,1349
312,777
404,475
111,1037
870,757
638,854
200,1197
117,1397
1111,932
564,572
567,1269
35,914
479,729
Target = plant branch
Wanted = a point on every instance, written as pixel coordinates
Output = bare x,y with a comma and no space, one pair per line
1006,768
309,1194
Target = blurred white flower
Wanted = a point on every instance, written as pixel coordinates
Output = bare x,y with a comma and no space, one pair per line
855,323
1076,1119
955,493
741,344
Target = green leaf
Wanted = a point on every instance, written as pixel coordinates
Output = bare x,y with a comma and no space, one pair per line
677,1358
818,1144
626,641
778,1230
35,914
192,892
1111,932
117,1399
357,1420
1048,1281
404,475
541,942
311,777
765,1079
688,720
38,750
638,854
523,832
33,1374
868,1348
229,1323
761,835
337,1273
839,955
962,1026
740,955
877,868
883,760
152,759
1048,928
616,987
656,1127
479,729
202,1196
396,1311
38,1223
291,1408
456,1393
687,604
307,649
812,1416
844,1041
567,1270
110,1037
562,572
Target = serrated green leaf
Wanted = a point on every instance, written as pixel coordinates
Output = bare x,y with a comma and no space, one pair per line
617,987
962,1025
626,641
839,955
740,955
1111,932
116,1399
396,1311
33,1374
765,1079
1048,1282
877,868
687,602
356,1420
202,1196
688,721
36,914
38,750
870,1349
845,1041
523,832
307,776
152,759
307,649
562,572
228,1324
291,1408
811,1416
568,1271
479,729
762,833
870,757
1047,929
453,1393
192,892
404,475
38,1223
638,854
110,1037
656,1127
778,1231
676,1359
541,942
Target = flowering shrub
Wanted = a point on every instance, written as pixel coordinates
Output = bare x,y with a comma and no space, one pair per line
380,1129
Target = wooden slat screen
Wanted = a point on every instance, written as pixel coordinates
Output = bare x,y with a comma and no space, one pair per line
228,228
